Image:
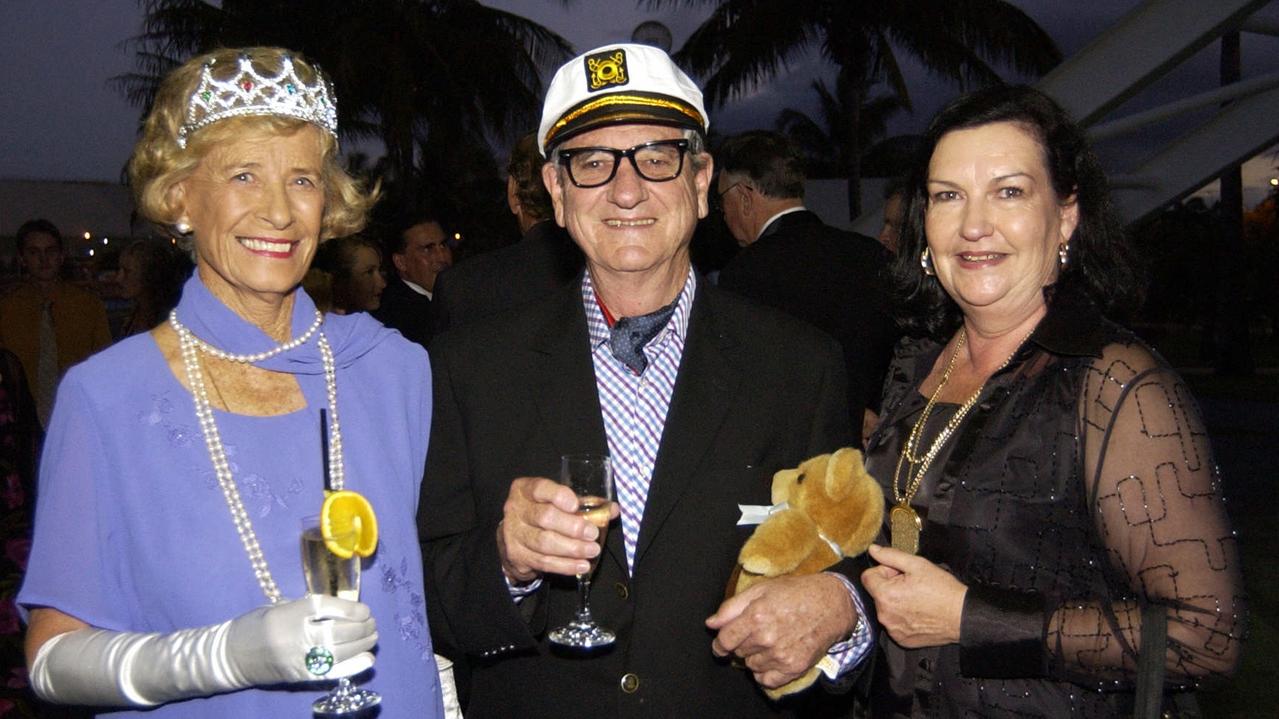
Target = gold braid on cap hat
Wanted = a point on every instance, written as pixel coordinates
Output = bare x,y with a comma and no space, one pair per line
619,98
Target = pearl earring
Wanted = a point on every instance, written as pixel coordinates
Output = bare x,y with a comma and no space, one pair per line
182,227
1063,254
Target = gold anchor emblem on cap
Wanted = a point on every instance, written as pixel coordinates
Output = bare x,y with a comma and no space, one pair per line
606,69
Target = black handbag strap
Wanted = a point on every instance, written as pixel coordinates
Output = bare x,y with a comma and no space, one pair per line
1148,703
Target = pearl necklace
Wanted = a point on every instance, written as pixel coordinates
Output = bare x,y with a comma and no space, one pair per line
190,346
258,356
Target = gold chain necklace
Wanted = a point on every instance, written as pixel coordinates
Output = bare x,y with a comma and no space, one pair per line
904,523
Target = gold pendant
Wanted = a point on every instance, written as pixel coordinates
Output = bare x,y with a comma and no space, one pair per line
904,525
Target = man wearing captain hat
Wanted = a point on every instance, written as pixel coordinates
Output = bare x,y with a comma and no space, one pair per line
696,395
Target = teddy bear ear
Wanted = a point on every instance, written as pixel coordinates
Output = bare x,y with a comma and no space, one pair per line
782,483
843,467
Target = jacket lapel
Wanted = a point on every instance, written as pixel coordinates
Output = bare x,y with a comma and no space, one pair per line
568,405
704,390
563,379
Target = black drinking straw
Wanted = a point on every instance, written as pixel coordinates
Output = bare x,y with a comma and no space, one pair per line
324,448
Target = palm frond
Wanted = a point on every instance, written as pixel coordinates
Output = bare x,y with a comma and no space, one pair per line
745,42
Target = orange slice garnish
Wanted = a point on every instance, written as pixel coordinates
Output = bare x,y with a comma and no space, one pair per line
347,524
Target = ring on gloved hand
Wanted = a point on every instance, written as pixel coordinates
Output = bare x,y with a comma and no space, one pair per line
319,661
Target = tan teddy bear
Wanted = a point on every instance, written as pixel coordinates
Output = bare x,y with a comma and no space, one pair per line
830,502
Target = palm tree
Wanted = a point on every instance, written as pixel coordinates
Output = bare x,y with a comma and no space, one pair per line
416,74
746,42
824,143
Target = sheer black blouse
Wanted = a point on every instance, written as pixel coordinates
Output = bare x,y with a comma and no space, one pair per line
1078,489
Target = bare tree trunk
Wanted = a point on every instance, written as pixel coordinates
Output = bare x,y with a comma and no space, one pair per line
854,165
1233,344
852,88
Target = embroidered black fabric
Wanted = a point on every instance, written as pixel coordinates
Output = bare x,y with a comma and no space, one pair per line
1080,488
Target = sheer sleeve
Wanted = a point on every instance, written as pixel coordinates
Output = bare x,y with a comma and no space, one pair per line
1156,495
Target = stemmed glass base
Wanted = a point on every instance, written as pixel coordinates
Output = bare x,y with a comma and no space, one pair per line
591,479
582,635
345,699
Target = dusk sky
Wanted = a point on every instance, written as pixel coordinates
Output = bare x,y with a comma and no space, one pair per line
63,121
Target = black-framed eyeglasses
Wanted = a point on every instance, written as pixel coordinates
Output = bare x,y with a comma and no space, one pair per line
726,190
657,161
717,202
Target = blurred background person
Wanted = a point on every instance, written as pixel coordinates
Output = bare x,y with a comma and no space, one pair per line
50,324
1055,513
544,259
19,448
165,574
151,276
894,207
356,277
319,286
420,252
833,279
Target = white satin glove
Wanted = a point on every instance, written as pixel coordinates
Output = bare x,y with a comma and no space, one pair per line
268,645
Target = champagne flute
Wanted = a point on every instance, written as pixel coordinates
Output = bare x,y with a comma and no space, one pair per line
327,573
590,476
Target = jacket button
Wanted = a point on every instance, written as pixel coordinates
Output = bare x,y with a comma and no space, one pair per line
622,590
630,683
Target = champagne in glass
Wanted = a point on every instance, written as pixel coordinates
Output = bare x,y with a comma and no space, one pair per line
591,479
332,575
326,572
596,511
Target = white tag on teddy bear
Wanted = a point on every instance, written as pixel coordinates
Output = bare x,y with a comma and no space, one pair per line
757,513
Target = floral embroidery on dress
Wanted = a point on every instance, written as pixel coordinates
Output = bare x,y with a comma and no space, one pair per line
177,434
260,497
410,609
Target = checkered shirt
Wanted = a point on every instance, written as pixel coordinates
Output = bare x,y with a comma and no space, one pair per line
635,406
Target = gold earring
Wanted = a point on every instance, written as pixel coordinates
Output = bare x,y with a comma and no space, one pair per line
925,263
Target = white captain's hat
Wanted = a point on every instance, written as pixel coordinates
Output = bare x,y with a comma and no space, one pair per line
617,84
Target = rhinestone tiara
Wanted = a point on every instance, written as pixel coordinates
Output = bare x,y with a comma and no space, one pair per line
249,92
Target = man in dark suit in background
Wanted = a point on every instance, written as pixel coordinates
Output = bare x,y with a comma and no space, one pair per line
420,253
697,396
544,259
795,262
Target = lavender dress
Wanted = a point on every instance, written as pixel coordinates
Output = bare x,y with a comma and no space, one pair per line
133,534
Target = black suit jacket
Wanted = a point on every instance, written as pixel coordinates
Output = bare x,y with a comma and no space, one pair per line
544,260
833,279
406,310
756,391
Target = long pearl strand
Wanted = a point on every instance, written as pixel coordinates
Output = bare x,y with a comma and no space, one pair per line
190,346
258,356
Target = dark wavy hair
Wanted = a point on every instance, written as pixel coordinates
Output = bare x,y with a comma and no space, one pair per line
768,160
162,270
30,227
525,167
1102,264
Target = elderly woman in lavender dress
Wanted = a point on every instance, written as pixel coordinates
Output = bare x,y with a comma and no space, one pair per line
179,463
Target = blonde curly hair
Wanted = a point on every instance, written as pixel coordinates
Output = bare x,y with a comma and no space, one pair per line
159,163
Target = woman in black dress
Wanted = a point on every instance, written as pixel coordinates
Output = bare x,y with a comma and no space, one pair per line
1048,475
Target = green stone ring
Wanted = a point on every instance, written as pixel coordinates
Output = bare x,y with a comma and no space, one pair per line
319,661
